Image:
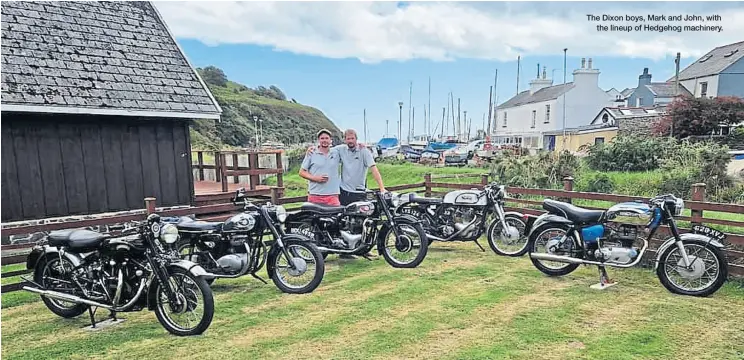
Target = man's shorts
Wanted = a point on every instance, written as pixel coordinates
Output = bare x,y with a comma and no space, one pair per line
330,200
350,197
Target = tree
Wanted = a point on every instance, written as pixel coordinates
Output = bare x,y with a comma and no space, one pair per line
699,116
213,76
278,93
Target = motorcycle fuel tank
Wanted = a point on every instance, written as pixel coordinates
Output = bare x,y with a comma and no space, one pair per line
465,197
240,222
631,213
360,208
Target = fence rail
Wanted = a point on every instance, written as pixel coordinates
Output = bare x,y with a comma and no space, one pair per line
224,171
220,212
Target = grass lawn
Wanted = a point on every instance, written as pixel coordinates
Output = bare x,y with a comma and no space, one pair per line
461,303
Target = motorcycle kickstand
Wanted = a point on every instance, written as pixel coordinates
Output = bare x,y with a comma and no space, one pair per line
479,245
92,316
367,257
112,316
604,279
259,278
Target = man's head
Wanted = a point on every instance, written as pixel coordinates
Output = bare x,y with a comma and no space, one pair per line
350,138
324,138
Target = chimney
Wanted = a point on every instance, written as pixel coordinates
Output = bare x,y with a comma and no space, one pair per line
586,77
645,78
538,83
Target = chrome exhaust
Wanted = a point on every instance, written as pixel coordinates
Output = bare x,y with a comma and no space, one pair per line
456,234
67,297
571,260
338,251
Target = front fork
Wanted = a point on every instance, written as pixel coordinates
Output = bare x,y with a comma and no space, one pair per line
680,244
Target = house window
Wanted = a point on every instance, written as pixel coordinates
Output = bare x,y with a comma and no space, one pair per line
504,119
703,89
534,117
605,118
599,140
547,114
639,102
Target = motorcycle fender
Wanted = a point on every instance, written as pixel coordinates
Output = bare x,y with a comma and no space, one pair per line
39,252
274,251
685,237
193,268
546,218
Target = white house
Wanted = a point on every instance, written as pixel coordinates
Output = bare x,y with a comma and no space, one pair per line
720,72
524,118
619,97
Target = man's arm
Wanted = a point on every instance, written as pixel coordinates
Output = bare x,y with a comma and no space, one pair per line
304,173
369,161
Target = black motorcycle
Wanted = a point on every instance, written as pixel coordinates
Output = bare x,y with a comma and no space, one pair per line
464,215
237,247
356,228
78,270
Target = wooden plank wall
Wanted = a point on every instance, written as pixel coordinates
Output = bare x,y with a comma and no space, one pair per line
58,165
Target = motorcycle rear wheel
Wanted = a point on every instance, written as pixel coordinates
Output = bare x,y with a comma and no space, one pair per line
56,306
184,246
567,268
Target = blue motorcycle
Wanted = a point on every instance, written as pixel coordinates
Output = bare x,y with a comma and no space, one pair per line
567,236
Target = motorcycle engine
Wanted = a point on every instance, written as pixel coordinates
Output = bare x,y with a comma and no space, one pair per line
618,247
455,219
351,229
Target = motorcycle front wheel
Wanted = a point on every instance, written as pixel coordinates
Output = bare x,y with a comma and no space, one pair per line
307,272
707,273
406,251
510,242
195,309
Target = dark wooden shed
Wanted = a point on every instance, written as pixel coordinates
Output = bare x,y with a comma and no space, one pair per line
96,103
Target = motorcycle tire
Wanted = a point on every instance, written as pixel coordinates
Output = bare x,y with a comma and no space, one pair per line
317,276
66,313
495,248
383,234
206,292
531,248
719,281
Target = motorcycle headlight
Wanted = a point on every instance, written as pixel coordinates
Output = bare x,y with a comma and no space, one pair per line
395,199
281,213
169,233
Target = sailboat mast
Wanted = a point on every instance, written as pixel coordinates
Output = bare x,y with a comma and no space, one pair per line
492,125
518,58
441,134
428,126
365,127
410,108
452,101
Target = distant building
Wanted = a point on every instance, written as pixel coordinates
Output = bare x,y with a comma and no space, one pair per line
618,97
653,94
628,120
720,72
523,119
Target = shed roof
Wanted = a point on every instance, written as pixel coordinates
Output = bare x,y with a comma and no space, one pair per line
107,58
666,89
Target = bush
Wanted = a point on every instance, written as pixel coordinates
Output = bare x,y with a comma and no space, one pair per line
627,153
678,182
543,170
734,194
600,183
703,162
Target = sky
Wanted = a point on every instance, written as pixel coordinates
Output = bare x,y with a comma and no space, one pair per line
347,57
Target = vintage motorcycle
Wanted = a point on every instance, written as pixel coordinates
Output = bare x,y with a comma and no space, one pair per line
463,215
356,228
78,270
688,264
237,247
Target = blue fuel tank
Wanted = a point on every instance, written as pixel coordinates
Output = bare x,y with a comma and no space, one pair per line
590,234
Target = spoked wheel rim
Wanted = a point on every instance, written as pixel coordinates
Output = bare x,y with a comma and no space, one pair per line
187,315
404,249
544,241
511,240
52,277
703,272
303,272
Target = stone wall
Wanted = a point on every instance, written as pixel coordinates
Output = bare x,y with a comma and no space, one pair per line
636,125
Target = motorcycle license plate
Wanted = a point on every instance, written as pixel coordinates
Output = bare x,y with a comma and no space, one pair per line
704,230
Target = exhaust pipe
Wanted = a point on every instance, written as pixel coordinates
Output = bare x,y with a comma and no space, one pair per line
66,297
571,260
337,251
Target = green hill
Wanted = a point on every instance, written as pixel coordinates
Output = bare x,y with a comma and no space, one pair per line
284,119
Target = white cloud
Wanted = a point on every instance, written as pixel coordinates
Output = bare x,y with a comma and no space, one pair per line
374,32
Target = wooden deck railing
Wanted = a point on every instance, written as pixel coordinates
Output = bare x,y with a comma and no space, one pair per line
431,186
223,171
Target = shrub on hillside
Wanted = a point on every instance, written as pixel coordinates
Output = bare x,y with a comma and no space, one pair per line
543,170
705,162
599,183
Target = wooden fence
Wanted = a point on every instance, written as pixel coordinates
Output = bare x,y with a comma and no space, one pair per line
224,171
433,185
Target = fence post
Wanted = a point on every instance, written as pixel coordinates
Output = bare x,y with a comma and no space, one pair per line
200,156
150,205
698,194
217,166
236,167
568,186
253,165
223,171
276,195
484,180
279,166
427,184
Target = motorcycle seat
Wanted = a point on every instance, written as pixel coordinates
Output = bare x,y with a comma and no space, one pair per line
76,238
573,213
189,224
322,209
424,200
